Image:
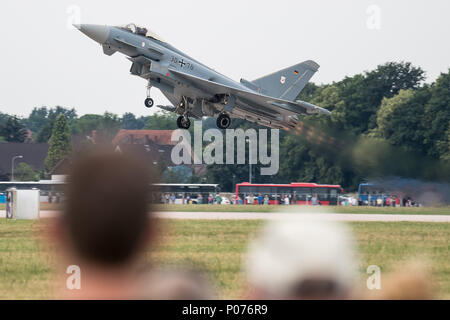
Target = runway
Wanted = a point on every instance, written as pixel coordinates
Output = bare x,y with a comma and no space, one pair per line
276,216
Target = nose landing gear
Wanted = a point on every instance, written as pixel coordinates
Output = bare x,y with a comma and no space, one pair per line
149,101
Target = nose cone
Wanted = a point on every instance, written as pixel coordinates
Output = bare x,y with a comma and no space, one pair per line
96,32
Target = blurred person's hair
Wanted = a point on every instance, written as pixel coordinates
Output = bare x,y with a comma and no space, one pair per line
178,284
409,281
302,259
106,212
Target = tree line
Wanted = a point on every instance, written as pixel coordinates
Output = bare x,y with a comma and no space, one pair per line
56,126
384,122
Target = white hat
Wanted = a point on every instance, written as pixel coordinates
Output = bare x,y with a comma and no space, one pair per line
289,252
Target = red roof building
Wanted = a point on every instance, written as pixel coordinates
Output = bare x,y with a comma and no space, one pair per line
159,137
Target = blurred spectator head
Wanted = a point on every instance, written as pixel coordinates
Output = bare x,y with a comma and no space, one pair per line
105,219
301,259
178,284
409,281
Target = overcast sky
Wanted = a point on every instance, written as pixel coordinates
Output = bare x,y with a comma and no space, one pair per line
45,63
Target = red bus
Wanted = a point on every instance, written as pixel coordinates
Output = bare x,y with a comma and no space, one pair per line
298,193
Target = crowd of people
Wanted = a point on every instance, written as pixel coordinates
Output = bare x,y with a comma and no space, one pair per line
108,237
380,201
251,199
285,199
170,198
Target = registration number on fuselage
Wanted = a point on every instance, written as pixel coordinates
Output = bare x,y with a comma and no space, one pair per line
182,63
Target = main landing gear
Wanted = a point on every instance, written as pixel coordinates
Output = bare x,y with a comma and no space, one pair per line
183,122
223,121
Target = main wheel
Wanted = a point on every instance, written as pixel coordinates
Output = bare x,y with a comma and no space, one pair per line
183,122
149,102
223,121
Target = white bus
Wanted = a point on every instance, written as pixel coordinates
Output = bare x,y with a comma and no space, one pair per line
184,193
53,191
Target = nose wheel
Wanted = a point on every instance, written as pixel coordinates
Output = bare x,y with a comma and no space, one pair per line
183,122
223,121
149,102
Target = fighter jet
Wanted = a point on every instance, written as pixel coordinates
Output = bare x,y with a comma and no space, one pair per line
196,90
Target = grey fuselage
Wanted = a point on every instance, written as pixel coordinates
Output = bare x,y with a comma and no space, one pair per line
194,89
160,77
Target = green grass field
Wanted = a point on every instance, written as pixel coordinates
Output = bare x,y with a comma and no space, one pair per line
44,206
27,266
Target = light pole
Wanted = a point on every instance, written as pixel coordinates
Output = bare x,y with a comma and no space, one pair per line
12,165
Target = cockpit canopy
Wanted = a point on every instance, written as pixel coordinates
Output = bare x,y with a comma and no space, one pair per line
142,31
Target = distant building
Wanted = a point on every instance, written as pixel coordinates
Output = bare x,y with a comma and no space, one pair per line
156,145
159,137
61,170
34,154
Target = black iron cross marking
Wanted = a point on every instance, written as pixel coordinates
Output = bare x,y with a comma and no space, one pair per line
182,63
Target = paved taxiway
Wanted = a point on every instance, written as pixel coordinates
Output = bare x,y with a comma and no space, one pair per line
275,216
